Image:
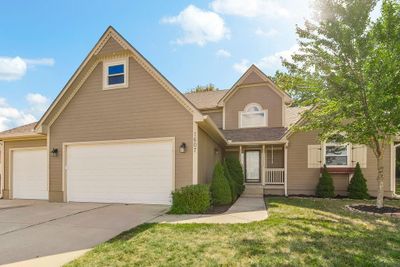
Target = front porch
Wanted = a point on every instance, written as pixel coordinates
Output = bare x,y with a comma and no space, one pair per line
264,167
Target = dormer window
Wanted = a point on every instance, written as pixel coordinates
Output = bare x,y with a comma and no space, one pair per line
253,116
115,74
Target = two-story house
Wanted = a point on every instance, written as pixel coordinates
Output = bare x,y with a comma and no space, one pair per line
119,131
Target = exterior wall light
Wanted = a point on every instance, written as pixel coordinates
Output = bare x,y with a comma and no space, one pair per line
182,148
54,152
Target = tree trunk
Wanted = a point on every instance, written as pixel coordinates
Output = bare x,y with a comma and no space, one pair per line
380,179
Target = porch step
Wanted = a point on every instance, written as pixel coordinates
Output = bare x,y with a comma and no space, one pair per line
252,190
274,190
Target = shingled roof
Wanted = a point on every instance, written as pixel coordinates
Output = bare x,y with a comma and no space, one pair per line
206,100
21,131
255,134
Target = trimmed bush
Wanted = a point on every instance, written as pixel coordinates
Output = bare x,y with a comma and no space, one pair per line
220,188
358,185
325,186
236,172
191,199
232,184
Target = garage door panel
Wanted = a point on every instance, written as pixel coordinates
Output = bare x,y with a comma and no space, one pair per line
128,172
29,174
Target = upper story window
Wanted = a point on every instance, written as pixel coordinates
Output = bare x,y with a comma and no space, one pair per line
253,116
115,74
337,155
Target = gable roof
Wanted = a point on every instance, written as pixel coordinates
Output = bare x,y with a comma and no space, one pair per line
110,34
206,100
250,71
26,130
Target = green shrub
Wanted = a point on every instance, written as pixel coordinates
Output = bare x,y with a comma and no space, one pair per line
325,186
191,199
358,185
236,172
220,188
232,184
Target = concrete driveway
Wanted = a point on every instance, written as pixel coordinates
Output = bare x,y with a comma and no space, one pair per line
31,229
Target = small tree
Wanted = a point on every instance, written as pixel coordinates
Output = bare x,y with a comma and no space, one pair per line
236,172
232,183
351,64
220,188
358,185
325,186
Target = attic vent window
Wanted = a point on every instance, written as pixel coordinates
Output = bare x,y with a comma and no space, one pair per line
115,74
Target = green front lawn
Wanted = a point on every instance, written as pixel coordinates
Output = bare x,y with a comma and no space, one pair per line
299,232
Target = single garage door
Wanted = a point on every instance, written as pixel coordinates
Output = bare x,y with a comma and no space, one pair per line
29,173
126,172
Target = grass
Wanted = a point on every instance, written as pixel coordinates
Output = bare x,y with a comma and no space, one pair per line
298,232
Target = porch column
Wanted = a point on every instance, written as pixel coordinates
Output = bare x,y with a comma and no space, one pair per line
285,164
263,169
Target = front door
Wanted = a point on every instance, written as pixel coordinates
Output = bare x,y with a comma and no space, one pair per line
252,166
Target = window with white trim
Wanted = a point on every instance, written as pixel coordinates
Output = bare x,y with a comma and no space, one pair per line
337,155
253,116
115,74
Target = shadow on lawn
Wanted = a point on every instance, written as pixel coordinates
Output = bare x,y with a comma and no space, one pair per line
335,235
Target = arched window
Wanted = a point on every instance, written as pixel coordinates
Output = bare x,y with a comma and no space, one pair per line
253,116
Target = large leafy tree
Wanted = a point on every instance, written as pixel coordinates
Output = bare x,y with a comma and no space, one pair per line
353,67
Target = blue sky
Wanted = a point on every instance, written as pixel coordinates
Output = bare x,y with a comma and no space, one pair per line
190,42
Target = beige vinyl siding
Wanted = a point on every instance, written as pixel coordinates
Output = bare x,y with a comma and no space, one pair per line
110,46
207,158
216,116
143,110
16,144
300,178
253,78
303,180
263,95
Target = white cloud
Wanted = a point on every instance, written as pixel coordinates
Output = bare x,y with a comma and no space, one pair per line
36,99
37,103
40,62
241,66
250,8
269,33
223,53
14,68
199,26
11,117
274,61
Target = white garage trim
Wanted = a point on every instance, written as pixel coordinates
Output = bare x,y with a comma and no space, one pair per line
10,166
107,142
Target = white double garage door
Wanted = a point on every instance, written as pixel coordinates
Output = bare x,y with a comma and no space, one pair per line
107,172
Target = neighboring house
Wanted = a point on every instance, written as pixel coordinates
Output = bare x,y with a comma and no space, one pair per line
119,131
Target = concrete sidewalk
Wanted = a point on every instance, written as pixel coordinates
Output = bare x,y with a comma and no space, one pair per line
244,210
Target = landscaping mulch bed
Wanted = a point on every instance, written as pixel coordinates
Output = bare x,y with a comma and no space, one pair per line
372,209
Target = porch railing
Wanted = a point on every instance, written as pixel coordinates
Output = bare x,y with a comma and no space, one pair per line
275,176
